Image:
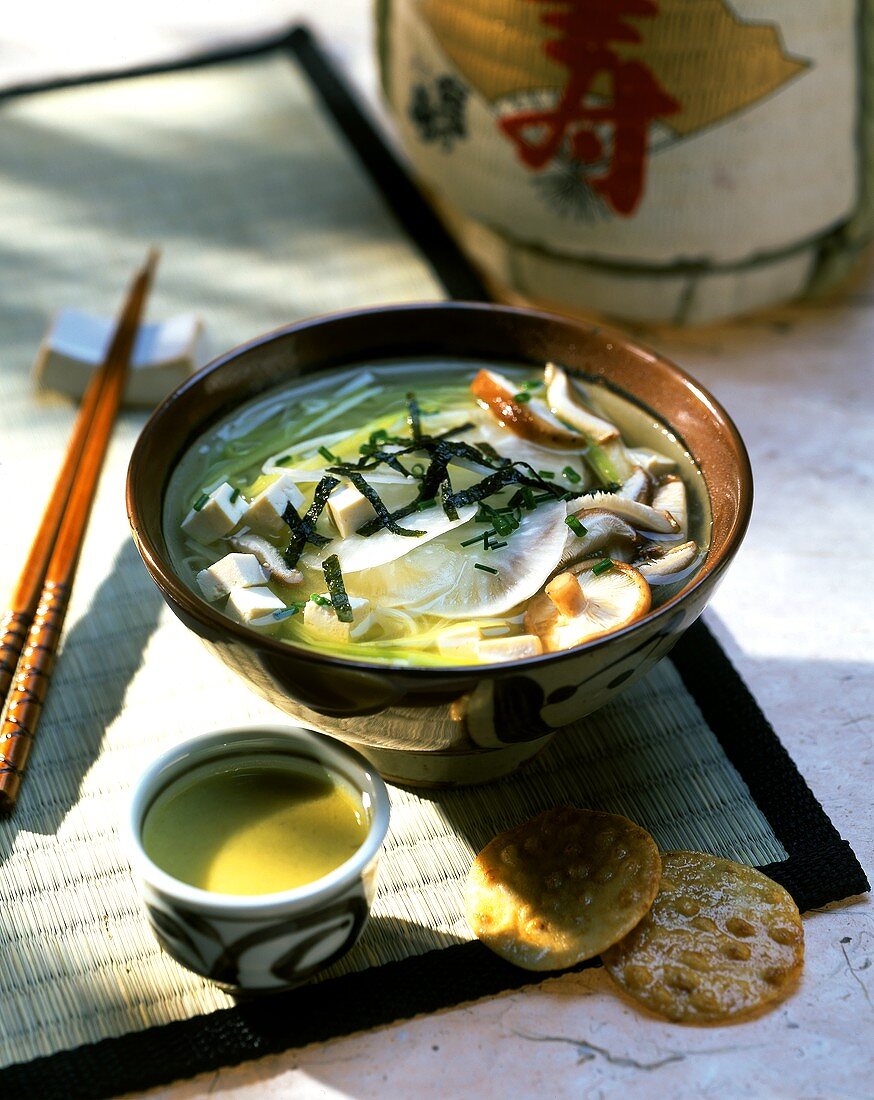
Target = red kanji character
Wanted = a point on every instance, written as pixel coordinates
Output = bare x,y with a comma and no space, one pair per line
588,26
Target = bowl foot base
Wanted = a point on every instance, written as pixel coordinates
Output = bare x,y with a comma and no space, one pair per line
450,769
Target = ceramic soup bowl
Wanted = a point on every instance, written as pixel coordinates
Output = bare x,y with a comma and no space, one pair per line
437,726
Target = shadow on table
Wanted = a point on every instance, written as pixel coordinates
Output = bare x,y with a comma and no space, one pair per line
823,753
86,695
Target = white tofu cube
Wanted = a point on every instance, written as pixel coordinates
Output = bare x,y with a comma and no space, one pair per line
323,621
509,649
232,571
219,514
247,605
265,511
349,510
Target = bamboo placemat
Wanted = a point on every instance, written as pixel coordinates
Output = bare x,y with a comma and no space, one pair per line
266,214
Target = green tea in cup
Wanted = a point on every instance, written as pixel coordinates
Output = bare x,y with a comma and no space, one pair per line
253,824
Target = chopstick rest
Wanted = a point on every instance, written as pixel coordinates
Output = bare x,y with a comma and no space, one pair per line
75,344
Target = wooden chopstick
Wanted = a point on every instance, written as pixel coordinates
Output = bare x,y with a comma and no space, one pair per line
32,627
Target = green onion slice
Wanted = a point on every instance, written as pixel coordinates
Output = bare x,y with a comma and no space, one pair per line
285,613
578,529
602,567
201,500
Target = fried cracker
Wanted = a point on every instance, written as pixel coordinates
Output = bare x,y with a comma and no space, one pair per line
720,941
561,887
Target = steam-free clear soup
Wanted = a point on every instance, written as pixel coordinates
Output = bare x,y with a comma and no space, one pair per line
420,603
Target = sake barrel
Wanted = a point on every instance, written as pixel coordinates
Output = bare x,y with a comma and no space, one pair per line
655,160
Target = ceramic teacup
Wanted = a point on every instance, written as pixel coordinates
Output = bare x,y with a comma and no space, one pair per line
263,942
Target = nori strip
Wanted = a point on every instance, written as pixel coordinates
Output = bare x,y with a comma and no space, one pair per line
303,528
445,499
489,451
507,475
386,519
334,581
414,418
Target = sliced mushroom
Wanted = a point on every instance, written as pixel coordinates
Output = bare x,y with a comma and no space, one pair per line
531,420
565,401
603,528
587,602
642,516
249,543
670,497
668,563
638,487
619,551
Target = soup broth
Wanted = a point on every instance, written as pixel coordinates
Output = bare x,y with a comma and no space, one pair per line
436,513
254,825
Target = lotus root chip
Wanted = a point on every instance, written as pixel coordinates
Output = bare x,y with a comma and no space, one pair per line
721,940
561,887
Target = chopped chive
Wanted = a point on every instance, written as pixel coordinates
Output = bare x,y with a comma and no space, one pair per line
571,474
496,545
550,474
522,398
326,454
322,601
576,526
285,613
483,537
528,497
531,384
201,500
602,567
334,581
504,525
485,568
235,495
282,461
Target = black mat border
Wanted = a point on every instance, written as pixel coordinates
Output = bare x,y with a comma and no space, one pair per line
820,868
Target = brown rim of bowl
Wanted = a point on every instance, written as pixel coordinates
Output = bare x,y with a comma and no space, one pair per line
173,587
